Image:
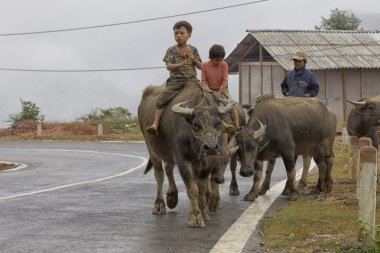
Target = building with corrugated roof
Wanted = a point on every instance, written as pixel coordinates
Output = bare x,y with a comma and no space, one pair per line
345,63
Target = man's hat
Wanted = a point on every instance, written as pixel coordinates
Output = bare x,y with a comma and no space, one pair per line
299,56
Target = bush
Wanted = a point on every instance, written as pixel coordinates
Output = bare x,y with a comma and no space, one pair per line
29,111
115,118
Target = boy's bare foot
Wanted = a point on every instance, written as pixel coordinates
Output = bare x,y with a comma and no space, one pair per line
230,129
152,129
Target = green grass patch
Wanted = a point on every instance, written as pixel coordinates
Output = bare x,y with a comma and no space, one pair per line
320,223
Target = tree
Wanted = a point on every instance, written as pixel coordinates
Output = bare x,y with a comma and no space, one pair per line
29,110
340,20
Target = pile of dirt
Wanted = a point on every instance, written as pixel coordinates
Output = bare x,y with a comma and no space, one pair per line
7,166
21,128
29,127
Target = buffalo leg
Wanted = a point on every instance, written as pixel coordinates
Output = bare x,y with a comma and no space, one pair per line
290,187
268,174
202,189
213,196
159,203
328,153
196,219
257,173
306,160
172,193
320,160
234,189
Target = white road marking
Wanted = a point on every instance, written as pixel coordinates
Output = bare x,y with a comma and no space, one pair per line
237,235
144,161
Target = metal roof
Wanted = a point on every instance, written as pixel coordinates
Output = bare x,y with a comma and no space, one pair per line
325,49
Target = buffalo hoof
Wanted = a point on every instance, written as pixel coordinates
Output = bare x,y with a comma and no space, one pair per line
159,208
214,204
250,197
206,217
287,189
196,221
302,186
263,189
172,199
234,191
328,187
293,197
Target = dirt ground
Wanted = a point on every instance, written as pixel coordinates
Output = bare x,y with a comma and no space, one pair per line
27,130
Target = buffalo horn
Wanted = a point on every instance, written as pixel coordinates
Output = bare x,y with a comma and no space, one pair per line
227,108
260,132
233,150
356,103
180,109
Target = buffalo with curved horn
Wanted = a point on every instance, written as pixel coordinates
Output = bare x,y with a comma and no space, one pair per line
287,127
191,135
364,118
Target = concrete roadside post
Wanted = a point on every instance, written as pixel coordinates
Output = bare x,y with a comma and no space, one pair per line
100,129
39,128
345,136
354,141
367,192
363,142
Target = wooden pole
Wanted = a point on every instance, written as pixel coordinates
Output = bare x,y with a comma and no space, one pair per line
367,193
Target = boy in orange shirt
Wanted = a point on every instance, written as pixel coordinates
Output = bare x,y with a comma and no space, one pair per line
214,76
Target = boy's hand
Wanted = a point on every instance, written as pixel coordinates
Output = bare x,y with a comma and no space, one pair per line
190,56
187,62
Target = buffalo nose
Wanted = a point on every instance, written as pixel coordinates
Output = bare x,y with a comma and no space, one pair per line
210,149
245,171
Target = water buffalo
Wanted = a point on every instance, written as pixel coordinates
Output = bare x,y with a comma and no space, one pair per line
364,118
287,127
191,136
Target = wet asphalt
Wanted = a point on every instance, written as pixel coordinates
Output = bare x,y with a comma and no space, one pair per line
94,197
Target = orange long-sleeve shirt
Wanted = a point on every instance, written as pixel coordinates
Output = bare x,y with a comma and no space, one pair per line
215,76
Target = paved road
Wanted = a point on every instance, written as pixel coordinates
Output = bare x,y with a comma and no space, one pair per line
94,197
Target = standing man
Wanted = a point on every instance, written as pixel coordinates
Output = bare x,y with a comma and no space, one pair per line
300,82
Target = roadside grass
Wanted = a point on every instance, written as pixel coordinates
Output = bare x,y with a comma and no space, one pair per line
320,223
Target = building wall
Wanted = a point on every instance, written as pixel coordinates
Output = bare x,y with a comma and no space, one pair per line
335,85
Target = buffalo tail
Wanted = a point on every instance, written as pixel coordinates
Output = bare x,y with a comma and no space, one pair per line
148,166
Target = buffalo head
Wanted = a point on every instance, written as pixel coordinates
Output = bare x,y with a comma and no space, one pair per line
364,118
368,106
206,125
249,141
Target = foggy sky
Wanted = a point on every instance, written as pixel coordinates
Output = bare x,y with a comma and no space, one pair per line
66,96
